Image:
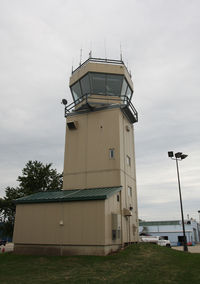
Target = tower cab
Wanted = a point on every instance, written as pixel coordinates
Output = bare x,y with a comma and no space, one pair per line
100,83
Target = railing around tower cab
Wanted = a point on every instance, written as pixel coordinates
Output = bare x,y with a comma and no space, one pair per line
101,60
90,102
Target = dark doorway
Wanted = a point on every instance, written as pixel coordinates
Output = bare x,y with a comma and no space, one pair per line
181,240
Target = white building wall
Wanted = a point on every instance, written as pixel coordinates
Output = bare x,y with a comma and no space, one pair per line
192,231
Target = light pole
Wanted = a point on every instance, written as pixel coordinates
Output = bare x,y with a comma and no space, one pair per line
199,216
178,157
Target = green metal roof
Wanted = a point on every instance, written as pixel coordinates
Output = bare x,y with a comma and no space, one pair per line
69,195
159,223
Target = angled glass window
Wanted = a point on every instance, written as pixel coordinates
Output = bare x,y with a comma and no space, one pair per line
129,92
85,85
113,84
76,91
124,87
98,83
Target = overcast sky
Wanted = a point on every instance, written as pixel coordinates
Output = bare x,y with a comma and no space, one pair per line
40,40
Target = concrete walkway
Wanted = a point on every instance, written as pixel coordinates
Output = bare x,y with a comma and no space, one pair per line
192,249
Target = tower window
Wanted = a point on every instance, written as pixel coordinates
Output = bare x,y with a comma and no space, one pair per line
98,83
128,160
124,87
113,84
112,153
129,191
85,85
129,93
76,91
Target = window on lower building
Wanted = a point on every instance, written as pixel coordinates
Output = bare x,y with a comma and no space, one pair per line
114,234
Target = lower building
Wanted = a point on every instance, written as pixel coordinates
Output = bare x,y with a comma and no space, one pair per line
172,230
68,222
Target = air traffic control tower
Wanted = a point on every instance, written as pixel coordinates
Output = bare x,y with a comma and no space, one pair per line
96,212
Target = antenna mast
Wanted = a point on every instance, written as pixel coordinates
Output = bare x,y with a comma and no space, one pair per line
105,48
121,52
72,65
81,50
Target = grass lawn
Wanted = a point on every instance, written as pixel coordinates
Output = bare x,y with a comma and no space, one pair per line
139,263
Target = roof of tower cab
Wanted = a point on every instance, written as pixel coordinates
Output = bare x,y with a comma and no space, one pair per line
109,66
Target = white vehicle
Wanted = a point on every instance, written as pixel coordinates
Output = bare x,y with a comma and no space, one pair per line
155,240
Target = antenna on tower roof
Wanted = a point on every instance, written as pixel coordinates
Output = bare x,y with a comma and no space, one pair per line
90,53
120,51
81,50
72,65
105,48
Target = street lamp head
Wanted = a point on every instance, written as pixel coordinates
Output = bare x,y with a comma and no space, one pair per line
183,156
170,154
178,154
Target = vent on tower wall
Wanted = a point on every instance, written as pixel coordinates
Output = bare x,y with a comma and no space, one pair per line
72,125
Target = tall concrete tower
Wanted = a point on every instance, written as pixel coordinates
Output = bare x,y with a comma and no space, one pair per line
96,212
99,148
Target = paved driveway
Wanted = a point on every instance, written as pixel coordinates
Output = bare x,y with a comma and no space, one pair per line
192,249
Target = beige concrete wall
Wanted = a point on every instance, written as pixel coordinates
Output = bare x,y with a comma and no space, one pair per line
87,163
95,100
128,179
27,249
112,206
69,223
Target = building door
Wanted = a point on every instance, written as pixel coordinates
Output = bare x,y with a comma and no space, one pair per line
181,240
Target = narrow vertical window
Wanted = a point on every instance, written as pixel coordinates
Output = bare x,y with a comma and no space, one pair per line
129,191
112,153
128,160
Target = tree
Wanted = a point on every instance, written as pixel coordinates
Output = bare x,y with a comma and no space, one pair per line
38,177
35,177
7,210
